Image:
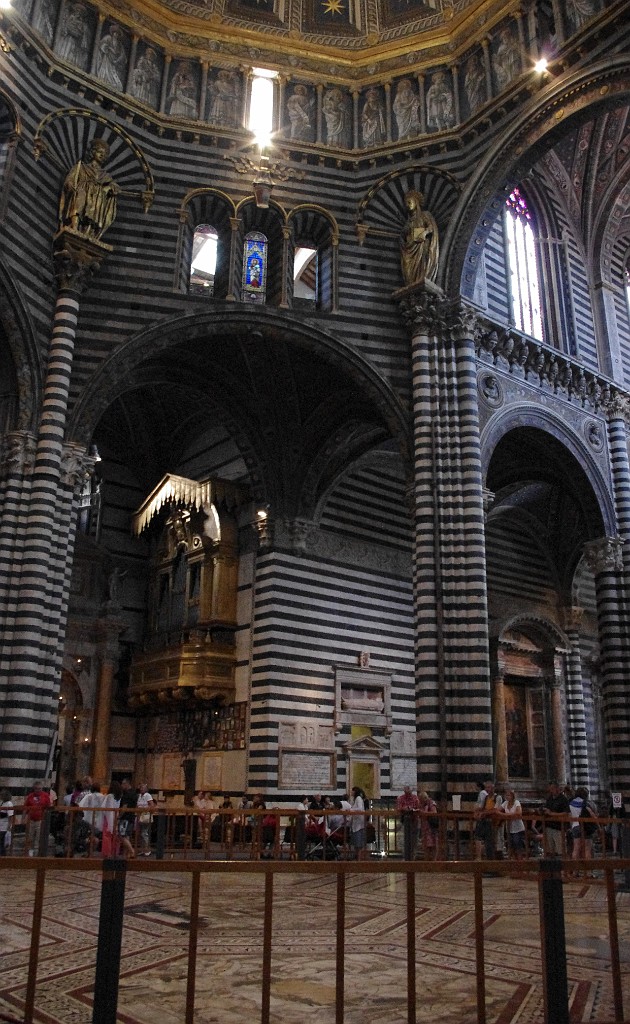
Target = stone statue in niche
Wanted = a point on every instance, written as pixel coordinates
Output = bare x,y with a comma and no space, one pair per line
112,58
406,104
373,125
507,59
475,83
182,98
224,102
89,196
337,117
440,103
300,111
145,80
74,35
420,247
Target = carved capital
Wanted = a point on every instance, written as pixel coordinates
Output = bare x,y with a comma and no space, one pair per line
424,308
573,618
488,498
18,454
76,466
76,258
618,408
604,555
300,531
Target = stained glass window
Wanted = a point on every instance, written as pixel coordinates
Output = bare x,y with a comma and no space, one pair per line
255,267
523,266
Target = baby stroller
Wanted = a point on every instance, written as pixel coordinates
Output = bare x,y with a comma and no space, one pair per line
319,845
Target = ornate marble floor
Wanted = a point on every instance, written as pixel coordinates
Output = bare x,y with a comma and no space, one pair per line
155,949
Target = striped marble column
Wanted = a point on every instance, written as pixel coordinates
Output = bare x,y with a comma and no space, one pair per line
37,624
16,465
576,718
604,558
453,706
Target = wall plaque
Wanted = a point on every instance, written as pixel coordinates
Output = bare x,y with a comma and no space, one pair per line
306,772
404,773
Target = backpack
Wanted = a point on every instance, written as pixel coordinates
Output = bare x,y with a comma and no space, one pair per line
590,826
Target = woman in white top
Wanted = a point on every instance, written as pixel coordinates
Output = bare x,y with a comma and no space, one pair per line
6,821
511,808
357,823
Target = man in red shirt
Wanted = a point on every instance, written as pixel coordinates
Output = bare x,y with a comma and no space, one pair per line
408,805
35,804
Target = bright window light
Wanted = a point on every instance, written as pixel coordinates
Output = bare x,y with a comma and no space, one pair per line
261,105
206,258
523,267
302,256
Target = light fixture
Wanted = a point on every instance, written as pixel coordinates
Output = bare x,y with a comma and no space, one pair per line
541,65
5,5
263,183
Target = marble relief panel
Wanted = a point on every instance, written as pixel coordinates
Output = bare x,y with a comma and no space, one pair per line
75,33
146,77
183,90
112,57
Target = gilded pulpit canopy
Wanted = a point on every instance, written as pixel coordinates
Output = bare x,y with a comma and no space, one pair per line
420,247
88,199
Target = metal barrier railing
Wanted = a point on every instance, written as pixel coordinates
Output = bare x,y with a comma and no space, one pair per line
547,873
279,833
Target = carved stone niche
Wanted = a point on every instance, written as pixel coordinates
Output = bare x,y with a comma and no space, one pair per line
362,697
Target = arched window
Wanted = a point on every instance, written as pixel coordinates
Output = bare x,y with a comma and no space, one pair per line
204,259
204,244
305,274
314,240
255,267
523,266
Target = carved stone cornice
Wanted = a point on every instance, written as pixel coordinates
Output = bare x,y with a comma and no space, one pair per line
76,258
18,454
604,555
524,357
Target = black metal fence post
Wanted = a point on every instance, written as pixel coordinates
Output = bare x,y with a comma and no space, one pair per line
160,836
410,834
300,837
109,944
553,942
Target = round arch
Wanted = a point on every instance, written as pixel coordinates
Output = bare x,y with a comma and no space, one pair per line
538,124
522,415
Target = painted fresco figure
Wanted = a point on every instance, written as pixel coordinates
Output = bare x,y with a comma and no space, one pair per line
73,44
440,103
299,111
223,109
145,81
507,59
336,116
475,83
420,247
406,106
580,11
112,59
89,195
182,99
45,18
373,127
